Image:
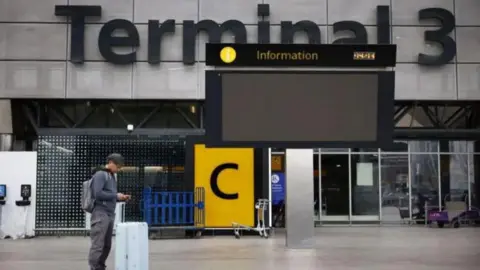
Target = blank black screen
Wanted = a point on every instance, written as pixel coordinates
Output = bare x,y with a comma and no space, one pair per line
299,107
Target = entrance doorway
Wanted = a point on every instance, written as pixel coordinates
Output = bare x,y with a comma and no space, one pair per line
349,187
334,187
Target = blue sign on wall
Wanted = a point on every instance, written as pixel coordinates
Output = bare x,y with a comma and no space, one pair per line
278,188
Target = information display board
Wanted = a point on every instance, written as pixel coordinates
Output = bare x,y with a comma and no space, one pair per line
304,55
291,109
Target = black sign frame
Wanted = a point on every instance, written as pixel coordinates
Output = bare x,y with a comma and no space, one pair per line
303,55
385,113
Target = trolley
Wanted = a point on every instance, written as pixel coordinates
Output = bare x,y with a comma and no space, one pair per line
174,210
454,214
261,207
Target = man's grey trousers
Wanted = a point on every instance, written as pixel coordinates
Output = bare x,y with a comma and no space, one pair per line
101,233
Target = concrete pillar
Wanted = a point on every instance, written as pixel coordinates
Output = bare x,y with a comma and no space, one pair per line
6,130
5,117
299,199
6,142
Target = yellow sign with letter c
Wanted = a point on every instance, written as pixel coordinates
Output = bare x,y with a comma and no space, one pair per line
227,175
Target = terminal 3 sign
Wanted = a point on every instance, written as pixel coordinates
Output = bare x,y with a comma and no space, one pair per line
157,31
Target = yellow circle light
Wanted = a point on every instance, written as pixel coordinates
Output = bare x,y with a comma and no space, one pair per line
228,55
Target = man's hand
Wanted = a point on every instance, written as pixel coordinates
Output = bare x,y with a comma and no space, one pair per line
123,197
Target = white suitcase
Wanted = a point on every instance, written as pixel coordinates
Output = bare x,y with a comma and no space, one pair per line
131,246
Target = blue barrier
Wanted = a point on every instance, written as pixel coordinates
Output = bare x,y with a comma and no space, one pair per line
182,209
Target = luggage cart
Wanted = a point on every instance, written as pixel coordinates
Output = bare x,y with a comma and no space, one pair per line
261,207
163,210
455,213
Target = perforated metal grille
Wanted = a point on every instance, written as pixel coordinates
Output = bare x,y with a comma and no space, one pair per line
64,162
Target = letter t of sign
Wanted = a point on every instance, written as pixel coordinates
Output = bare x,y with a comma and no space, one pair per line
77,14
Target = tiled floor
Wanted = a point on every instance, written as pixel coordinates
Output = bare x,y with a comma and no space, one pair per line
372,248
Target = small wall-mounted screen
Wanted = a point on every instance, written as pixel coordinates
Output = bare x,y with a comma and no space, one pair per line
3,191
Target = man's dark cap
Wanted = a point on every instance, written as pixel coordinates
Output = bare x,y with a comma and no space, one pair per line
116,158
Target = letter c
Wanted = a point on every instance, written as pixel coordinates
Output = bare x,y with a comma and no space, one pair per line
214,181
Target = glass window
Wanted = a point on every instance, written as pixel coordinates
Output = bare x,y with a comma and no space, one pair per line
334,185
365,184
424,172
423,146
454,177
334,150
365,150
460,147
397,146
474,183
395,187
471,180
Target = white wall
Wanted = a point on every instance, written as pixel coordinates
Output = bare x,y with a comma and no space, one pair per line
41,68
18,168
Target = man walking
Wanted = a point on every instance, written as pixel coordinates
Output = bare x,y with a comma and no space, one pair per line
104,190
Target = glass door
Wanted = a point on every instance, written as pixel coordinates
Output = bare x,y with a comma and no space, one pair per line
396,202
334,187
365,188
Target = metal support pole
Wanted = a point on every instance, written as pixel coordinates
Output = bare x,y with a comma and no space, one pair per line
460,112
1,233
149,116
400,113
439,180
320,197
60,117
270,215
299,198
409,179
201,114
186,118
380,203
85,118
115,110
469,179
438,134
30,118
350,206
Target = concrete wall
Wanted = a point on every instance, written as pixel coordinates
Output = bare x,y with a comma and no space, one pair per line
34,46
5,117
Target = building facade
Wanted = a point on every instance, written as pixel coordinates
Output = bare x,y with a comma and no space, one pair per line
152,51
36,47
